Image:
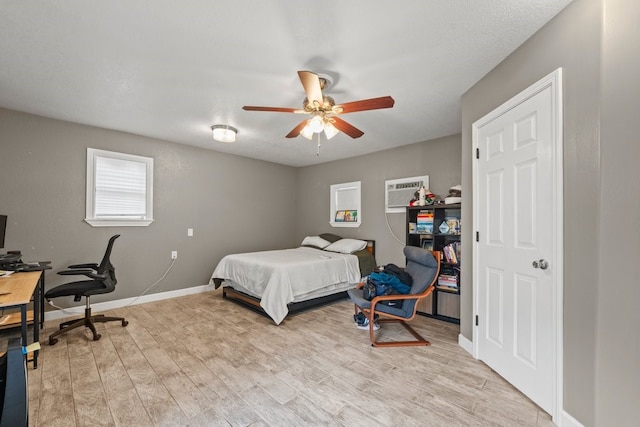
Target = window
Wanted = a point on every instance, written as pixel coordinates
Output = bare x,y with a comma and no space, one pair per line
119,189
345,209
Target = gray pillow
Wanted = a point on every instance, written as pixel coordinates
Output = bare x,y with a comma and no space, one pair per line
330,237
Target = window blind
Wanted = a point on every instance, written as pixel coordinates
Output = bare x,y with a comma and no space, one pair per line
120,188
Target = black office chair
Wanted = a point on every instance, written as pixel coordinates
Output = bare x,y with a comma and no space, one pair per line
103,280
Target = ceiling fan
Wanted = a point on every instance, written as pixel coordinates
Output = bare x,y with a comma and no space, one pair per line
323,109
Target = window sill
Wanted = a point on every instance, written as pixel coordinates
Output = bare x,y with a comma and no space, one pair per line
118,222
345,224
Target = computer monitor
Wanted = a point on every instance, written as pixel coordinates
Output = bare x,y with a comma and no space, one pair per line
3,229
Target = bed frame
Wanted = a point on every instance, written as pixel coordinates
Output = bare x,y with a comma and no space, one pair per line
253,303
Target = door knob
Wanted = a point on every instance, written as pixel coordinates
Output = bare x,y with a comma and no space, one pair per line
542,264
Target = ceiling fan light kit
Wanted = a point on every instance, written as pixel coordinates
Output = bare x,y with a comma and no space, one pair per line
307,133
315,124
330,130
324,110
224,133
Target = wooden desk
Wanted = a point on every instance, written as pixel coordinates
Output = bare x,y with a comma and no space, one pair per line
18,290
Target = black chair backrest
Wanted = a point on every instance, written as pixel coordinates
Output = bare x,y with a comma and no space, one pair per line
106,267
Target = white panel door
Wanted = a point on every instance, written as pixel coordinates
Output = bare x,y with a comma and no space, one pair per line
515,272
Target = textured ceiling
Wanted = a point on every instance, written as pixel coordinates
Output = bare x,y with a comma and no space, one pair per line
169,70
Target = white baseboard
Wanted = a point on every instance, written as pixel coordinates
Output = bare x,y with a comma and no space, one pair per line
465,343
110,305
567,420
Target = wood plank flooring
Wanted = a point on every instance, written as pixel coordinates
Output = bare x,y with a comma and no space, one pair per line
200,360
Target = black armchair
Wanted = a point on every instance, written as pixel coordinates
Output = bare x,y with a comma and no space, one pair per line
103,280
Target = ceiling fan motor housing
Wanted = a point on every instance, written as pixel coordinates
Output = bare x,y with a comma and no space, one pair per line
327,105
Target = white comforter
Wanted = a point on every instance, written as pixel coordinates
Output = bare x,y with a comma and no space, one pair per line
279,276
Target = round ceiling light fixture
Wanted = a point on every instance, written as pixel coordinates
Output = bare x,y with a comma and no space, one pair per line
224,133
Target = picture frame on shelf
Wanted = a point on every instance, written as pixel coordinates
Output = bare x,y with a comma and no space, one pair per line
351,216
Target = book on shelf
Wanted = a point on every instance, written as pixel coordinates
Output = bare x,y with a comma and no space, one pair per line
451,253
448,289
424,222
448,283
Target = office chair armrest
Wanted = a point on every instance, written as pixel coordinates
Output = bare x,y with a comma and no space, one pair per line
91,265
88,273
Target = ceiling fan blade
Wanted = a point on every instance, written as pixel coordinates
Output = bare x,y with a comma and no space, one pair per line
345,127
311,83
296,130
366,104
274,109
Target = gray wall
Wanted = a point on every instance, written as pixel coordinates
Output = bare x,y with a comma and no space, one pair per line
227,200
232,203
601,367
618,317
43,167
438,158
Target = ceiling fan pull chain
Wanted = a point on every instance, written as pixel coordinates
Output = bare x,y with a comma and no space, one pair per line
318,151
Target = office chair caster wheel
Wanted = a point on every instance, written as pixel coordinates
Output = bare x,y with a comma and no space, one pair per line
53,341
96,337
125,322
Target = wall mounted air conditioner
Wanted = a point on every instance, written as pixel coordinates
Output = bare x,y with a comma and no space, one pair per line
399,192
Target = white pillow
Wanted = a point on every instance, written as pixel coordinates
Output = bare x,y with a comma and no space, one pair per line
347,246
315,241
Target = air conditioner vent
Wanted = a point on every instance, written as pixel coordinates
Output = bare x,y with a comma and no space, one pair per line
399,192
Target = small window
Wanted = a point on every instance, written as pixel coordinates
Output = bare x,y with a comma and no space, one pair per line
345,209
119,189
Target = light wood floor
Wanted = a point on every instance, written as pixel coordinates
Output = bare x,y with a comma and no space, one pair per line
200,360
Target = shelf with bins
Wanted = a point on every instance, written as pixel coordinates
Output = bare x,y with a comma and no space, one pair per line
437,227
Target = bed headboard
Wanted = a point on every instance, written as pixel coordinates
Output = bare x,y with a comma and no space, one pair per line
367,257
371,246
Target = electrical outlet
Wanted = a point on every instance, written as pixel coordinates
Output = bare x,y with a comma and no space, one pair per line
189,232
174,254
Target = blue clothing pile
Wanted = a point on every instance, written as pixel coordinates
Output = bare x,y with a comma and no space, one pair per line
386,284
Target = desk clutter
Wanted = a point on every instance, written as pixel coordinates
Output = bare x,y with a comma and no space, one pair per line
17,292
21,298
12,261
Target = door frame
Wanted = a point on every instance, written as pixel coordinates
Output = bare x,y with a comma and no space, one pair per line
553,80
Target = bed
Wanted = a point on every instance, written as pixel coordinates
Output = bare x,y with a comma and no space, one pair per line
278,283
